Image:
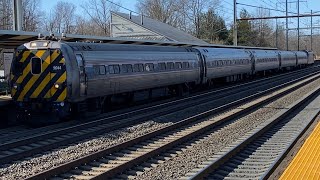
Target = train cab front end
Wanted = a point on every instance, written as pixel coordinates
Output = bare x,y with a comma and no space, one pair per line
39,79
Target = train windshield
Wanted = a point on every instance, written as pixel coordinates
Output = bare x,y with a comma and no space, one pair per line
36,64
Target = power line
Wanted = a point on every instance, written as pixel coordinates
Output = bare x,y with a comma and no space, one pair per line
264,8
228,3
122,7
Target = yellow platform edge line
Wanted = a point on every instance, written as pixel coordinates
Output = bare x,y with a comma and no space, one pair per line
306,163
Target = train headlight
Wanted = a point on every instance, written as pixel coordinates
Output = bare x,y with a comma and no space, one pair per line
15,86
33,44
57,86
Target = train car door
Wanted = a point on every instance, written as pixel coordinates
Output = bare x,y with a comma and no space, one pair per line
279,59
253,62
82,75
203,69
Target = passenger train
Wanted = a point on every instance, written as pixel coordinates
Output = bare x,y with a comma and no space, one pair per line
70,77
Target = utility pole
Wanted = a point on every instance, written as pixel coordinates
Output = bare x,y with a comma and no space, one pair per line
287,45
17,15
298,25
277,33
311,32
235,28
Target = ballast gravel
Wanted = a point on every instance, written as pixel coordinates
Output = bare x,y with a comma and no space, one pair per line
39,163
171,169
200,150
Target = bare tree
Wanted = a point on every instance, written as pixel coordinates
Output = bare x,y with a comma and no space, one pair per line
62,18
32,15
166,11
182,14
99,13
6,14
194,10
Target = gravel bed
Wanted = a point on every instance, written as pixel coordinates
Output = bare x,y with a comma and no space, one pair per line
28,167
201,150
47,160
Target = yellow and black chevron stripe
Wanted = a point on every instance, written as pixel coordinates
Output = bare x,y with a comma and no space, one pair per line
40,86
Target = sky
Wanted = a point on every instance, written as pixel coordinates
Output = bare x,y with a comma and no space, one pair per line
226,9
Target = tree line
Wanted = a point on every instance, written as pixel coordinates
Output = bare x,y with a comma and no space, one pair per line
200,18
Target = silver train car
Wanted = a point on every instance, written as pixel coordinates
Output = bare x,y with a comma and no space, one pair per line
71,77
288,60
265,60
223,62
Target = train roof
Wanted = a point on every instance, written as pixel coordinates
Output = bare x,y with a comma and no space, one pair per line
12,39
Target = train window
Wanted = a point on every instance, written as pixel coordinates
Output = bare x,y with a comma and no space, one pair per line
185,65
170,65
149,67
178,65
123,68
162,66
141,67
96,70
111,69
36,65
126,68
114,69
138,68
129,66
102,70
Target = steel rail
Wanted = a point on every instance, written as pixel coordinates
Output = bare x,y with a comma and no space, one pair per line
183,123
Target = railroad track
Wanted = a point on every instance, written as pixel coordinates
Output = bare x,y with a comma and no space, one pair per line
127,156
9,134
15,149
258,154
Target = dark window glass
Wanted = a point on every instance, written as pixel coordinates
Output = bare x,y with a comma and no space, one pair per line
111,69
162,66
114,69
178,65
36,64
136,68
149,67
96,70
129,67
102,70
126,68
185,65
141,67
170,65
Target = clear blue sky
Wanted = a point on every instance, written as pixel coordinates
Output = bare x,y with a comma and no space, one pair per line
226,8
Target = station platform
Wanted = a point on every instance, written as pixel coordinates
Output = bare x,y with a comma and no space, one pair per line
5,100
306,163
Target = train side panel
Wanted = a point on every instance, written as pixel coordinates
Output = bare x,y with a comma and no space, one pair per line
265,60
223,62
288,59
311,57
302,58
114,72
